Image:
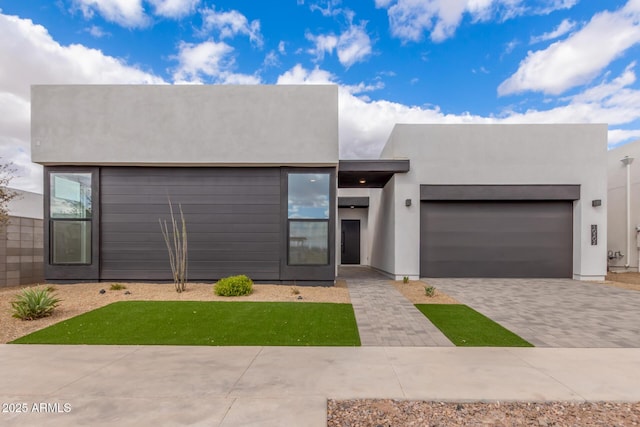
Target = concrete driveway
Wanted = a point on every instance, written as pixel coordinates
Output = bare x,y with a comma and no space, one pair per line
553,312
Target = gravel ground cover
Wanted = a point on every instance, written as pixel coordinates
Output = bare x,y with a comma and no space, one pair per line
628,280
79,298
386,412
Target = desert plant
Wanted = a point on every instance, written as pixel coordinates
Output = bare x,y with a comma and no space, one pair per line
429,291
7,173
295,290
34,303
405,279
117,287
176,242
233,286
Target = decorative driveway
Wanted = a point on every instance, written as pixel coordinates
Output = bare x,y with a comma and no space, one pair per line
553,312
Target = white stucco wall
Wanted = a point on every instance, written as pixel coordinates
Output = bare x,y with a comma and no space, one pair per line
383,230
184,125
498,155
617,207
26,205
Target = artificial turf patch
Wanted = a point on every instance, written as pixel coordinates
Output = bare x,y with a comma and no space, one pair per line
465,327
206,323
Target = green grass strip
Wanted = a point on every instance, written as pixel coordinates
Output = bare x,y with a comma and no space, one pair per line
465,327
206,323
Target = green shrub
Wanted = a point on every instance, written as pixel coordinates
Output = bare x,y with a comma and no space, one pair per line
405,279
429,291
117,287
234,286
34,303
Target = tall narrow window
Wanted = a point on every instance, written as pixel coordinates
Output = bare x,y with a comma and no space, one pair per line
70,216
308,218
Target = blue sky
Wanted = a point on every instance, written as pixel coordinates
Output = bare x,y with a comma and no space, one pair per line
419,61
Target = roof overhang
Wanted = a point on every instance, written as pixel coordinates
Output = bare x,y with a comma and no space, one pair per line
353,202
369,173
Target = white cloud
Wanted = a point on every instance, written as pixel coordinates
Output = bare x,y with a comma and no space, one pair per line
617,136
579,58
612,102
271,59
352,46
409,20
230,24
131,13
38,59
323,44
509,47
128,13
326,7
300,75
365,125
174,8
553,5
208,62
282,48
97,32
208,58
565,26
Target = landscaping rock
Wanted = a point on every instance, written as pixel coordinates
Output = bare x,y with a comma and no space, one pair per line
388,412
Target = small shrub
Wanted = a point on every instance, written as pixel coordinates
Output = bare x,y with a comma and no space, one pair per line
429,291
405,279
295,290
34,303
51,288
234,286
117,287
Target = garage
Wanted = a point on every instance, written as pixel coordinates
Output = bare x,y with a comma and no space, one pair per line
507,231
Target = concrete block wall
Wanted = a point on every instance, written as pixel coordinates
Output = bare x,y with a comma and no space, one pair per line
21,252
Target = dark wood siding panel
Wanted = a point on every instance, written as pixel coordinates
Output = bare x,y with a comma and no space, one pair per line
232,215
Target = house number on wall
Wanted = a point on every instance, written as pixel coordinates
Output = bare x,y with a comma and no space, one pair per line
594,235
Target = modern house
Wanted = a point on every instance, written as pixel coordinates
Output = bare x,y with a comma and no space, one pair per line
257,173
623,208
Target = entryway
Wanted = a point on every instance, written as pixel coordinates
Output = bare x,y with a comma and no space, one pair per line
350,243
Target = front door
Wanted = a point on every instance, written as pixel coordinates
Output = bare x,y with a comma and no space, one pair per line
350,247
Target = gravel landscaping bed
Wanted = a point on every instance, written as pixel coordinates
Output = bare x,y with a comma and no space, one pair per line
387,412
630,280
414,291
79,298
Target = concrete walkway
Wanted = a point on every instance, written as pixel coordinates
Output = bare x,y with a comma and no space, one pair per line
384,316
554,312
276,386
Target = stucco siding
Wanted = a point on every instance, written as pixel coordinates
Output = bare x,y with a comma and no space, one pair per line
499,155
184,125
383,237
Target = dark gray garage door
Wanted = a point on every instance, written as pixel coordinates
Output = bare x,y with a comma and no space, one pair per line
232,216
496,239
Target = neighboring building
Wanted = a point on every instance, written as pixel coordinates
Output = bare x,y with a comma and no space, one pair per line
21,241
623,208
257,173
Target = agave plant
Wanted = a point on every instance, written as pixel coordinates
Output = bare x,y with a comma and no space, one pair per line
34,303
